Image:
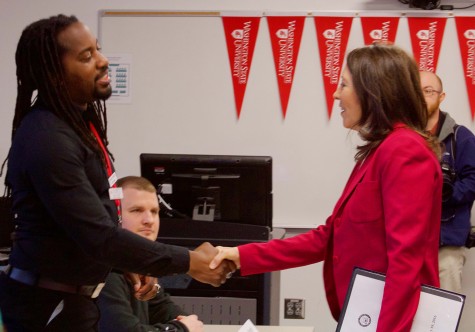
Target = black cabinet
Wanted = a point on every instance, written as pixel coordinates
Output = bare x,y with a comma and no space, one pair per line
255,297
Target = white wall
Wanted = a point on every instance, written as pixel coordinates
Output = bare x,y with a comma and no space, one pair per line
304,282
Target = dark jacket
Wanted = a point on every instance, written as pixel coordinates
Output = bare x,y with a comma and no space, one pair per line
456,211
66,224
122,312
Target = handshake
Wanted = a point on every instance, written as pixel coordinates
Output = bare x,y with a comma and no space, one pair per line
213,265
208,264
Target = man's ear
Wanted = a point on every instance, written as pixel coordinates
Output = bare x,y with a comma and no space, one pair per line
441,97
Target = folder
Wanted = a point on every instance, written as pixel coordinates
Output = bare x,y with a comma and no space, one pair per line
438,311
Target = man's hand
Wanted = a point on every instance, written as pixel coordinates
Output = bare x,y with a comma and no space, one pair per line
144,286
192,323
200,258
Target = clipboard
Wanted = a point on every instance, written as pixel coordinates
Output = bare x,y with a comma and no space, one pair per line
438,311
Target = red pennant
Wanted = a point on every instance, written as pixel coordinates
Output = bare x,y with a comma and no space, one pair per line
466,35
379,29
426,38
332,36
285,36
241,36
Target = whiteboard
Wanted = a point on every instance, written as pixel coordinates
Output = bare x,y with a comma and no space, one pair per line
182,101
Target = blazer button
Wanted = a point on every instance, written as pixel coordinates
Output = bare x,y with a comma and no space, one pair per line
335,259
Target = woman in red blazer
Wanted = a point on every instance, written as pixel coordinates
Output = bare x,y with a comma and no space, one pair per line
388,216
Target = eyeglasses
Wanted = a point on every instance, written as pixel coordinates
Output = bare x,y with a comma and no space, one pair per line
428,92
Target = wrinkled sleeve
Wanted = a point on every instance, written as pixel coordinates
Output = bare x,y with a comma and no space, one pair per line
69,180
299,250
410,180
464,186
118,315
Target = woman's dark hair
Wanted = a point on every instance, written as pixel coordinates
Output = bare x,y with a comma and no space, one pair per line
39,68
387,83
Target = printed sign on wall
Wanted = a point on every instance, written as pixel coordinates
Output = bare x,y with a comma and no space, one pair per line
119,72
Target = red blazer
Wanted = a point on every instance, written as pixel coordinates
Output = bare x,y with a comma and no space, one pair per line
387,220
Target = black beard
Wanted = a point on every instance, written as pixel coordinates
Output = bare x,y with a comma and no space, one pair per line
103,95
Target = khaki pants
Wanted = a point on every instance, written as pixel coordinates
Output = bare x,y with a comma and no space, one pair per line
451,262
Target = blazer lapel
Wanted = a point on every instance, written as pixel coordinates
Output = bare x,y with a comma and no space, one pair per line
356,177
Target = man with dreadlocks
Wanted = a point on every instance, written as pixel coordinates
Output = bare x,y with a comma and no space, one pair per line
65,202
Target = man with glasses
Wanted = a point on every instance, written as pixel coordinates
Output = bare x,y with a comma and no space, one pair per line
458,168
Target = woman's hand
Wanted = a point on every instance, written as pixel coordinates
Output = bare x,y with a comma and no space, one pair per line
226,253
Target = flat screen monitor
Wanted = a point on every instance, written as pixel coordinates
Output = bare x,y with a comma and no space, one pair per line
219,188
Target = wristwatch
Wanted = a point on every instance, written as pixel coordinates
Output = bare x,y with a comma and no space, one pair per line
158,288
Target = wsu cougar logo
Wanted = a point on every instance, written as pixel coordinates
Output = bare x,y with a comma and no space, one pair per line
376,34
469,34
329,34
238,34
282,33
423,34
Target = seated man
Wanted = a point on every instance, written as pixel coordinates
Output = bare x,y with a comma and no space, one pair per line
120,309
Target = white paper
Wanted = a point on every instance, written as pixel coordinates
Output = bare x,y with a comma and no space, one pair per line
362,314
116,193
440,314
248,327
438,310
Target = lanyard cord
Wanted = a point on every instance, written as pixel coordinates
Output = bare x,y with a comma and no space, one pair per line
108,164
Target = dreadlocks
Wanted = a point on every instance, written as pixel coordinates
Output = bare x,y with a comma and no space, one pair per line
39,68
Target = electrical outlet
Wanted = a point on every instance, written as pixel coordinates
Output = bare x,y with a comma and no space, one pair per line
294,309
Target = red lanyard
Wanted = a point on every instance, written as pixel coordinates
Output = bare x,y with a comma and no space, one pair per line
108,164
